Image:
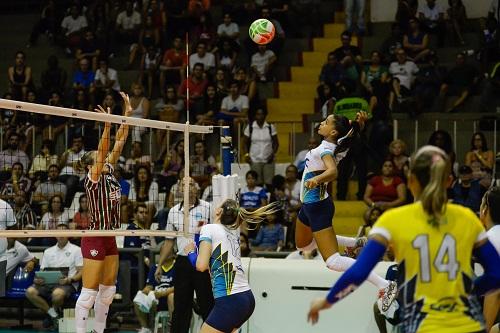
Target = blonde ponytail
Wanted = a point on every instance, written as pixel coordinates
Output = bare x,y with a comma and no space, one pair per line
431,166
233,215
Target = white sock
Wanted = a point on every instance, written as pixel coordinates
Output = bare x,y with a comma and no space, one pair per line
338,263
52,313
83,305
311,247
346,241
101,307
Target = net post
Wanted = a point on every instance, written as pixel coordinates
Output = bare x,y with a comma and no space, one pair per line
227,155
186,180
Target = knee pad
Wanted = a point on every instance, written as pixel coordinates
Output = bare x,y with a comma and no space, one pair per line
334,262
86,299
309,247
106,294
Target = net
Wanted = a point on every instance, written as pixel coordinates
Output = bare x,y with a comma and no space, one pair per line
95,179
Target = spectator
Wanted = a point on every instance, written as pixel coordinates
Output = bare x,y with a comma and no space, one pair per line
13,154
479,152
71,173
55,124
399,158
175,194
442,139
271,235
149,68
481,174
248,86
125,188
140,109
457,19
490,95
226,55
53,79
48,189
431,14
202,165
392,43
19,76
228,29
81,219
137,159
145,190
149,37
84,77
385,191
197,85
17,182
81,102
332,74
173,64
203,57
416,42
245,248
221,82
47,23
68,259
203,30
347,50
428,82
127,24
467,191
169,108
489,44
234,107
158,15
172,165
403,72
89,49
374,74
17,254
261,142
300,159
460,81
177,19
187,279
110,102
138,223
405,11
262,63
211,104
355,11
7,217
56,214
72,27
156,295
25,217
106,81
252,196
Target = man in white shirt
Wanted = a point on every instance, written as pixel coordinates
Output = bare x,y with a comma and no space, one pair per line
403,72
67,258
234,106
70,173
106,80
128,23
262,62
261,140
187,279
73,23
7,220
228,29
202,56
431,15
17,254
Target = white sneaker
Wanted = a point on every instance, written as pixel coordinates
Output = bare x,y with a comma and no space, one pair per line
389,294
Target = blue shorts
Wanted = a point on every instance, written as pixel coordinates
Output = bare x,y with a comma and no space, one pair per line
230,312
317,215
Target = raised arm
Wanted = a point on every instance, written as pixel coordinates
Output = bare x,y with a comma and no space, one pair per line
122,134
102,149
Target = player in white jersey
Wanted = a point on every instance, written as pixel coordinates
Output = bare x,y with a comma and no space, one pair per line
219,251
314,222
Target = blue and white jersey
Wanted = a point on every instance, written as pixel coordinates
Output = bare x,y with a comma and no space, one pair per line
252,198
226,271
315,166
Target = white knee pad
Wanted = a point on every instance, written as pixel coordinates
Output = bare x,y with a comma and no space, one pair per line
338,263
86,299
309,247
106,294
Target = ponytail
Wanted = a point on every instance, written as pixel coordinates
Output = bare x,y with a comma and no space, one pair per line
87,159
431,166
233,216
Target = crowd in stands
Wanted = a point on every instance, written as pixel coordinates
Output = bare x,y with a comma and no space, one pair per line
45,189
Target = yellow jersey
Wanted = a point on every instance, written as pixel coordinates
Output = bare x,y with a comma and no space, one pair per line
435,272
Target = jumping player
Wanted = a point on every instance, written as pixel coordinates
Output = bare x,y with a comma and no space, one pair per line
314,221
100,254
433,242
219,251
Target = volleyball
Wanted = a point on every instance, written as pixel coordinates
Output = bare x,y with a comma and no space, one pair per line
261,31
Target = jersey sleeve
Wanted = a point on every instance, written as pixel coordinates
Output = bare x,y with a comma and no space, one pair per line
263,194
326,151
477,230
384,226
206,234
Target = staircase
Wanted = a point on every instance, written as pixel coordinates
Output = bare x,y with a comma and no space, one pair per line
297,96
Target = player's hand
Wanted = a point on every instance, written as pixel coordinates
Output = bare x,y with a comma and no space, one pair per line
316,306
361,118
64,281
29,266
189,248
311,183
100,109
39,281
158,274
126,102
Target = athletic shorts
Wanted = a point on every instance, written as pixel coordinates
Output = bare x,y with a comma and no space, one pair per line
45,290
230,312
98,248
317,215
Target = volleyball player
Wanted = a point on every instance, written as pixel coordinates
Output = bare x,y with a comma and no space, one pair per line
219,251
314,221
433,242
100,254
